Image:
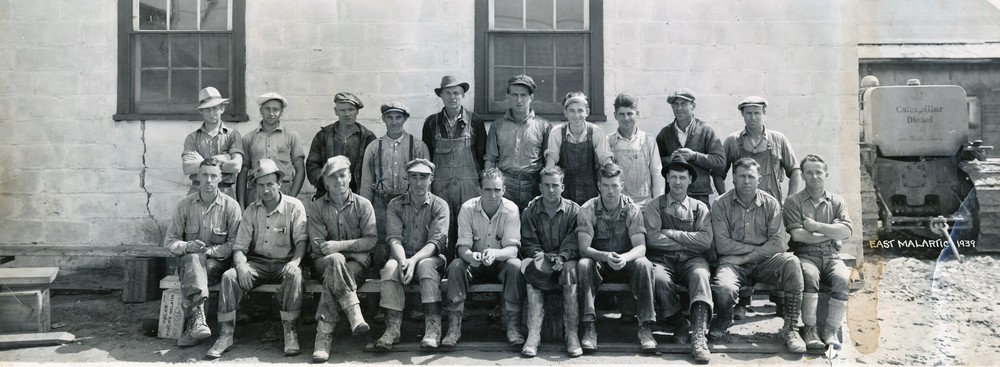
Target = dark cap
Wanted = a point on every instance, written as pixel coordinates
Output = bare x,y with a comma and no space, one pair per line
753,101
683,93
677,161
395,106
522,80
348,97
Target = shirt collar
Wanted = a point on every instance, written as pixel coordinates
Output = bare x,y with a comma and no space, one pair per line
825,197
222,128
758,199
568,134
635,135
391,141
621,203
677,126
357,128
406,199
276,128
503,206
281,204
683,202
763,131
349,201
509,116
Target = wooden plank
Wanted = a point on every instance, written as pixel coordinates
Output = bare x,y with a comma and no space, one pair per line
15,277
372,286
8,341
130,250
140,279
603,348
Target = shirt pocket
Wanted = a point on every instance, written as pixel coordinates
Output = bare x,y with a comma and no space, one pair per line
683,224
219,236
277,236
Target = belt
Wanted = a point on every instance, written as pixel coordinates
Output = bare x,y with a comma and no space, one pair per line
520,174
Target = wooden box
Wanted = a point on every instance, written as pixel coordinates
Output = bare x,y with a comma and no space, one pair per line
24,301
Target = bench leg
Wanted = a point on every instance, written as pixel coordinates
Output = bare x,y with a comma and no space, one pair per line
142,277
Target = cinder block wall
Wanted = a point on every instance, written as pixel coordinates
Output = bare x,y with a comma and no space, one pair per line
71,175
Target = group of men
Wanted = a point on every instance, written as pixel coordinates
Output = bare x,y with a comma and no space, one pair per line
532,206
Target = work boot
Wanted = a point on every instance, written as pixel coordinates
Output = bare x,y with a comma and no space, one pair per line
646,336
393,319
721,323
589,341
514,336
811,337
324,334
571,321
699,341
789,332
291,334
834,319
225,340
454,329
536,314
432,325
681,328
196,328
739,312
356,320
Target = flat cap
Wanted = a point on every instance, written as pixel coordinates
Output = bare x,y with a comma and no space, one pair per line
683,93
420,165
348,97
522,80
753,101
334,164
395,106
269,96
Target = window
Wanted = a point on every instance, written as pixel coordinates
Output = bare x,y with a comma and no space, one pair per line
559,43
168,50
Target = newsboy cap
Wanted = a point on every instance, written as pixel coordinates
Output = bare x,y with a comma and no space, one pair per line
524,80
683,93
395,106
420,165
753,101
348,97
334,164
269,96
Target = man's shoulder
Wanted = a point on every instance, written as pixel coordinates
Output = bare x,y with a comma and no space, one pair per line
508,206
292,202
471,203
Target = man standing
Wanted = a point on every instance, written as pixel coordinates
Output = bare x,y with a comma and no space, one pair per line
272,141
817,221
417,234
678,235
695,141
345,137
769,148
516,143
746,224
635,152
213,140
201,234
342,234
456,139
489,234
612,245
579,147
382,175
269,247
549,249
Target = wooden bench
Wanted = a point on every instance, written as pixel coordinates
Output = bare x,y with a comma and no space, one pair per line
24,301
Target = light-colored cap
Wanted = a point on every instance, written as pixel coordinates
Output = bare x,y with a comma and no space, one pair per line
269,96
753,101
334,164
420,165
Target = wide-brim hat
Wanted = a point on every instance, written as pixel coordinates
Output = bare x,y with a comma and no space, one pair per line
265,167
677,161
210,97
451,81
544,275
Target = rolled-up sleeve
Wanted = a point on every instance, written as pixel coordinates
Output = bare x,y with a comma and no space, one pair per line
394,221
585,221
773,245
634,218
244,236
465,234
601,149
437,231
300,235
555,142
512,230
233,217
174,240
657,183
791,213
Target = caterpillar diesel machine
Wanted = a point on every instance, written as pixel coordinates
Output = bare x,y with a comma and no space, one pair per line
918,164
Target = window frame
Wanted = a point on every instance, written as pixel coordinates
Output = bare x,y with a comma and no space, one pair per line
236,110
595,77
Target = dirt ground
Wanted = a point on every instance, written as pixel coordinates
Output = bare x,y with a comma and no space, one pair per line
902,316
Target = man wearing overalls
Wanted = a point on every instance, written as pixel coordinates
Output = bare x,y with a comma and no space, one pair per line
274,141
612,240
579,147
777,160
213,140
456,142
517,142
636,153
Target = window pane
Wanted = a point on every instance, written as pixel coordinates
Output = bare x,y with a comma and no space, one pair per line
508,50
508,14
152,14
569,14
538,50
152,50
215,15
153,86
184,87
571,50
500,76
215,51
568,80
183,51
183,14
544,80
218,79
539,14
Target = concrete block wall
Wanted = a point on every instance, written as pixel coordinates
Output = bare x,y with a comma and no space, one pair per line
74,176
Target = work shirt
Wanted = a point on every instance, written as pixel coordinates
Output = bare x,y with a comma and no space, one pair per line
709,156
352,226
274,234
480,232
828,209
417,224
439,124
615,227
550,233
688,216
774,154
518,146
562,133
396,153
280,145
639,159
216,225
752,228
330,143
209,144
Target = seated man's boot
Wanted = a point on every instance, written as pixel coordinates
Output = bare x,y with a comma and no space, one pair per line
811,337
571,321
226,329
645,334
324,334
830,335
720,324
790,332
432,325
393,320
196,328
589,340
454,329
356,320
291,334
536,313
514,336
699,340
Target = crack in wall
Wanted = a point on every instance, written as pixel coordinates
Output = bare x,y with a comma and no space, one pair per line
142,178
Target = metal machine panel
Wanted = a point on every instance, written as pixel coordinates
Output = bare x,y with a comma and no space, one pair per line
914,121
